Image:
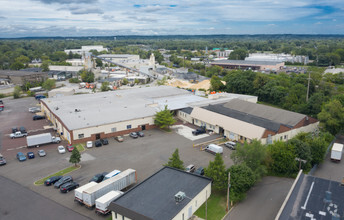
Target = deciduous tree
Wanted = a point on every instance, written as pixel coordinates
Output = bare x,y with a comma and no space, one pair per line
75,157
217,172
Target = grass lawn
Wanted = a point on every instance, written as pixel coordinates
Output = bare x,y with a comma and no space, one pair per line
80,147
60,173
216,206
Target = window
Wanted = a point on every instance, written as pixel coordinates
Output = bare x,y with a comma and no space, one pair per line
196,203
196,121
183,216
285,136
128,126
81,136
281,138
115,215
113,129
123,217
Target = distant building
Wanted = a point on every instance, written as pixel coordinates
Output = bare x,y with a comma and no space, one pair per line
311,197
222,53
168,194
277,58
253,65
86,49
120,57
21,77
76,62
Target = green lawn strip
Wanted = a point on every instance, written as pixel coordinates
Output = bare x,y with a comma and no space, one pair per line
80,147
216,206
60,173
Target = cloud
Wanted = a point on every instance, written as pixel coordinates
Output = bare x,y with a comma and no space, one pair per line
318,23
77,10
67,2
2,17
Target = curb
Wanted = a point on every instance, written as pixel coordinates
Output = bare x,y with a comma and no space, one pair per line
54,173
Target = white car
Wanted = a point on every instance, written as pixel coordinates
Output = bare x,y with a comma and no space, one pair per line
35,109
61,149
89,144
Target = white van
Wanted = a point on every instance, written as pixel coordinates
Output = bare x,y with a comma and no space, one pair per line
214,149
111,174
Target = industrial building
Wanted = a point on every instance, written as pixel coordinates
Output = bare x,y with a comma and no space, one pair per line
311,197
253,65
21,77
86,49
282,57
242,120
168,194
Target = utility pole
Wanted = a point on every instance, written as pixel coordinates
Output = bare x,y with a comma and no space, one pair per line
228,188
300,160
206,205
309,79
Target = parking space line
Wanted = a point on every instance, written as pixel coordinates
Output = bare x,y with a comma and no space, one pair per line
309,193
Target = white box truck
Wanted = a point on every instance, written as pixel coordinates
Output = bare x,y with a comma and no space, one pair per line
336,152
103,202
39,139
78,191
214,149
118,182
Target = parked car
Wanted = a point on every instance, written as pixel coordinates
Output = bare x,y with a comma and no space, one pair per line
97,143
199,171
70,148
62,181
61,149
21,156
133,135
41,153
98,177
52,180
14,130
104,141
231,145
89,144
190,168
34,109
30,155
199,131
140,134
119,138
68,187
2,160
39,97
22,129
38,117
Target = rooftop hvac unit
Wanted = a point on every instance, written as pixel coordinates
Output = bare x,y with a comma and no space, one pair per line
179,196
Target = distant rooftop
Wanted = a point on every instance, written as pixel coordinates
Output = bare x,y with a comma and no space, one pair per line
154,197
19,73
245,62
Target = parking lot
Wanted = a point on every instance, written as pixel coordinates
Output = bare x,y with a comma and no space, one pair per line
146,155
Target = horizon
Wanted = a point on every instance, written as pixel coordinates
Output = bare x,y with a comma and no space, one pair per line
84,18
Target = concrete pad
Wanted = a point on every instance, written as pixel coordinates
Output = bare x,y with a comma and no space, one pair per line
187,132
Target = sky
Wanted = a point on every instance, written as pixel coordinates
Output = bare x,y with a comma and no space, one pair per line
72,18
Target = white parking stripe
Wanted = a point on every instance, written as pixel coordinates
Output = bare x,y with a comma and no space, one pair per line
309,193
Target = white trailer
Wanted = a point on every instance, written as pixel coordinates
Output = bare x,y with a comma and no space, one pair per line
78,191
214,149
103,202
336,152
118,182
39,139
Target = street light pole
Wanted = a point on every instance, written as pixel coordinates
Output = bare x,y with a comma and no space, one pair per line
228,188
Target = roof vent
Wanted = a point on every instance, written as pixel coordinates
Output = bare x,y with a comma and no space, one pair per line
77,110
179,196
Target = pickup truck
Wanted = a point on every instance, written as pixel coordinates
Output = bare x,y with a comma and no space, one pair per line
199,131
18,134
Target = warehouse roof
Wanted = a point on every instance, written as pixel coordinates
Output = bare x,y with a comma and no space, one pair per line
245,62
308,199
287,118
242,116
89,110
187,110
19,73
154,197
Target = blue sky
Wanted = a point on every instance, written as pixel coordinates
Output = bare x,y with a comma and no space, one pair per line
151,17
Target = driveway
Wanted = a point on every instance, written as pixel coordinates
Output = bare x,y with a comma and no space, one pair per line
263,201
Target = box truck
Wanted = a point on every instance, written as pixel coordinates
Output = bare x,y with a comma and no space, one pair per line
118,182
78,191
214,149
103,202
39,139
336,152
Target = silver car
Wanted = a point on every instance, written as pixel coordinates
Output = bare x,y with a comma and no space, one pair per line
41,153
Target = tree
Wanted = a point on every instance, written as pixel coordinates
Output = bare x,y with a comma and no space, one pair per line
17,66
16,92
105,86
217,172
75,157
164,118
175,161
99,62
216,84
302,151
253,155
45,66
49,84
332,116
23,59
87,76
136,81
238,54
125,81
281,159
242,179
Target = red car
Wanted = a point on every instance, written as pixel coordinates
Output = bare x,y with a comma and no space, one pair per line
70,148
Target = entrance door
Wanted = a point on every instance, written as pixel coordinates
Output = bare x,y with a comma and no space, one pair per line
143,127
97,136
190,212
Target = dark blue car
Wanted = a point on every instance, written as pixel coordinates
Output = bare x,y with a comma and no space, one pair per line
39,97
30,155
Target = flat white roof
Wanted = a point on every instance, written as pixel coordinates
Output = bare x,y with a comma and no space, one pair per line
337,147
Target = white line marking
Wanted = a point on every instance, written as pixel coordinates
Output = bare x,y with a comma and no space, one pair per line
309,193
